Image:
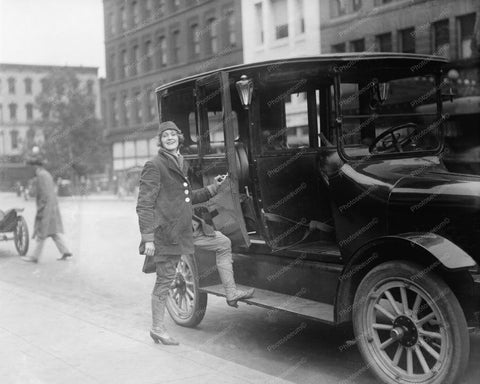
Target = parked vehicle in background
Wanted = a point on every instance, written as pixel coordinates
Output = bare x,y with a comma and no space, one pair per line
337,203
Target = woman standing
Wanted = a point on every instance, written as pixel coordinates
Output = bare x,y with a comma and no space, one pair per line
164,209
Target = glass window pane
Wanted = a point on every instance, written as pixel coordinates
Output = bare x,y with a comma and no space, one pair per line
129,149
142,148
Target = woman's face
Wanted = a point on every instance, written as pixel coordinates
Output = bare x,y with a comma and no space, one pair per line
169,140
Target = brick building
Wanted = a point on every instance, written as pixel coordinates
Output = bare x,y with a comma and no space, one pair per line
152,42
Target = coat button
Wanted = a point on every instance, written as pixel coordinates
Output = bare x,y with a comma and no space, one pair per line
186,191
187,199
185,184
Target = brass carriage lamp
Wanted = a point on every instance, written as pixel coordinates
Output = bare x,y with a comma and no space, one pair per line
245,90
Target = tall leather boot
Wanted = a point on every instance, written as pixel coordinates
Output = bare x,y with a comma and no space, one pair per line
158,331
233,294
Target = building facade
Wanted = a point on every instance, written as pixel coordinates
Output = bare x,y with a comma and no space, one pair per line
277,29
152,42
441,27
20,85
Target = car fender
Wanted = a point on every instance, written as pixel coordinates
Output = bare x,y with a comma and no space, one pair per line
435,251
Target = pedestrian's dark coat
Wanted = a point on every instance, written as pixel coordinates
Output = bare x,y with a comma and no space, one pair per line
48,220
164,207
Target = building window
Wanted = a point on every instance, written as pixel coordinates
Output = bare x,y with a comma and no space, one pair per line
28,86
356,5
124,63
90,87
231,28
465,32
114,111
14,139
338,8
11,86
160,11
259,23
111,23
406,40
111,67
148,56
125,110
175,5
338,48
135,15
384,42
1,113
299,18
280,18
175,46
212,36
123,18
135,60
13,111
29,111
195,41
147,8
162,52
441,38
152,101
138,108
357,45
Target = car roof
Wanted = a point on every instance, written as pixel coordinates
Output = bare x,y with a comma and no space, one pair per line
341,61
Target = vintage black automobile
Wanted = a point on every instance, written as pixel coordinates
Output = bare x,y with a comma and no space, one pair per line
338,204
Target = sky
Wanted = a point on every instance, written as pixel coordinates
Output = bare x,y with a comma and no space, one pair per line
55,32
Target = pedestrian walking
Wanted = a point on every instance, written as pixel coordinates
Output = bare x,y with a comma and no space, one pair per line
164,209
48,221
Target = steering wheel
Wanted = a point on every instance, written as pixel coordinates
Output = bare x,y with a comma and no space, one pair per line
394,143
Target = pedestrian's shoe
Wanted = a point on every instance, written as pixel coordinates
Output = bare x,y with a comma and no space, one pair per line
239,295
164,338
29,259
65,256
225,270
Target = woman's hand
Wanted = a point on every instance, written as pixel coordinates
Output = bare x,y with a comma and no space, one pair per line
149,248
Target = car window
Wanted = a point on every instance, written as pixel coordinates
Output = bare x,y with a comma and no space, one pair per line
388,117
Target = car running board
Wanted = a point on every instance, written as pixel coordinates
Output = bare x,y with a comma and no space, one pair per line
280,302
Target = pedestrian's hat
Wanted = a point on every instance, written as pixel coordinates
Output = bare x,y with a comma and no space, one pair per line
166,125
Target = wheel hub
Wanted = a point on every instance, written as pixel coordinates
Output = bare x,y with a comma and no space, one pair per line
405,331
179,283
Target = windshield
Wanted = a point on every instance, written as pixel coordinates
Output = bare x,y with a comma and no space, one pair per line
386,116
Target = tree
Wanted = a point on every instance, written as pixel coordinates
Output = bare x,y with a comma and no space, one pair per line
73,135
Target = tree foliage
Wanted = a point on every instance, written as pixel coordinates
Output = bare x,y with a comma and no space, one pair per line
73,142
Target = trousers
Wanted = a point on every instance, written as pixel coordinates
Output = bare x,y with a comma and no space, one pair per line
59,242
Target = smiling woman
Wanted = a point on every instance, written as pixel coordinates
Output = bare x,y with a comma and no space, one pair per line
56,25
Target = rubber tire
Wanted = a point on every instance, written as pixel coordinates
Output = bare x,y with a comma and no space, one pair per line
22,251
199,301
447,303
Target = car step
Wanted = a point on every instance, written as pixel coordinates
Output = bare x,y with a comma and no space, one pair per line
281,302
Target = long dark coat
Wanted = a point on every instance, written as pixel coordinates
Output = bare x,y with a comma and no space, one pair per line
164,207
48,220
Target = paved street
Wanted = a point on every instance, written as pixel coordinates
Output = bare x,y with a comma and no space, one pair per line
85,320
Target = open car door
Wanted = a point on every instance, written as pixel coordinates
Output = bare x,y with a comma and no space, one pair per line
217,130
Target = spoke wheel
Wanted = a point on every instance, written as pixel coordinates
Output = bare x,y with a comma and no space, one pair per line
185,303
410,330
20,236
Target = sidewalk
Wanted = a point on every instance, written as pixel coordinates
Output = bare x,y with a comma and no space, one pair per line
43,341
